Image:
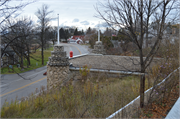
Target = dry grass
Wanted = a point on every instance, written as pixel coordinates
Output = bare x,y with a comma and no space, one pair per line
95,97
87,99
163,96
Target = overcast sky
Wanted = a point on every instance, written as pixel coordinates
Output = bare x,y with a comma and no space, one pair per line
79,13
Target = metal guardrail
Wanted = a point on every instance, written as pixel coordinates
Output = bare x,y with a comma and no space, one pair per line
108,71
78,56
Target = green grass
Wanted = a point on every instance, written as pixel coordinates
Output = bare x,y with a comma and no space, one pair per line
35,63
89,99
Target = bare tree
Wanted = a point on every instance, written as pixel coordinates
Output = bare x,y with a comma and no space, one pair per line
21,30
133,18
44,19
6,11
53,34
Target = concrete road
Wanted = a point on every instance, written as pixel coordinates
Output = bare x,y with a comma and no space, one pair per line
13,85
77,49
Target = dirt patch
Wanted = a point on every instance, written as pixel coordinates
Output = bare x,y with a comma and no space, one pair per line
160,110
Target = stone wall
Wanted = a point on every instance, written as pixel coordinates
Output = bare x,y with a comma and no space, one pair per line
56,75
57,67
99,48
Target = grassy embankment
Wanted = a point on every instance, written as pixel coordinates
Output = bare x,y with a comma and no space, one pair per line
36,62
90,98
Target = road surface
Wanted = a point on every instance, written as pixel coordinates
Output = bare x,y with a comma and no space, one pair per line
12,85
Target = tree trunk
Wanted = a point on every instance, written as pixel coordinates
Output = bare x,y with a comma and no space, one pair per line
142,80
28,58
22,66
42,47
35,49
42,54
142,87
146,39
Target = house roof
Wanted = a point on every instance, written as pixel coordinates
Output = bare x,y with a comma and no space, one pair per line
76,37
8,50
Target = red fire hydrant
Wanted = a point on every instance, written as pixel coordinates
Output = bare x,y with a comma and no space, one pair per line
71,54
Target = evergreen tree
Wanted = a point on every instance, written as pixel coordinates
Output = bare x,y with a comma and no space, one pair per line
76,32
67,34
88,30
82,32
62,33
107,32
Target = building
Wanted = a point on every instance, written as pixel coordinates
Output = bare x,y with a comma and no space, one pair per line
8,56
76,39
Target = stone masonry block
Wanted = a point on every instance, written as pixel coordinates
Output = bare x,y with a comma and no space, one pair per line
98,47
58,48
58,54
98,43
57,67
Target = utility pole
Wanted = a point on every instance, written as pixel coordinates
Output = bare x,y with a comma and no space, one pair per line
98,33
58,30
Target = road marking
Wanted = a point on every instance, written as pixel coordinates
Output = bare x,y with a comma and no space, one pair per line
74,46
77,49
22,78
22,87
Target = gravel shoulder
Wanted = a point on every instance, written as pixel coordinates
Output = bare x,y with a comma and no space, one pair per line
109,62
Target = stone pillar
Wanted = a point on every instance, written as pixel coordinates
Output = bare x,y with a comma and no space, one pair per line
57,67
99,48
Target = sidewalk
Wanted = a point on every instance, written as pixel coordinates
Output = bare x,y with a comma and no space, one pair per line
174,113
